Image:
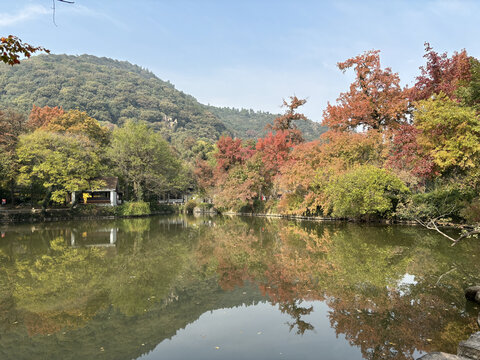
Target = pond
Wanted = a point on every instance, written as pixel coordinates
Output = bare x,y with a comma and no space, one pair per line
231,288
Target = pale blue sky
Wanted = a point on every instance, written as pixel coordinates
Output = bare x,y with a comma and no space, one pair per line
250,53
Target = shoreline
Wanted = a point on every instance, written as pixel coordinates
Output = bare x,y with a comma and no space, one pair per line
323,218
17,216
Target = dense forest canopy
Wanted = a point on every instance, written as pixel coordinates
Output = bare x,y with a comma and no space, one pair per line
108,90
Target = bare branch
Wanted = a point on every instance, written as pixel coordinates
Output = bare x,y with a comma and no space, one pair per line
432,225
441,276
466,235
53,13
53,8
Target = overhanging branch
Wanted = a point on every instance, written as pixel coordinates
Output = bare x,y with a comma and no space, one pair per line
432,225
53,8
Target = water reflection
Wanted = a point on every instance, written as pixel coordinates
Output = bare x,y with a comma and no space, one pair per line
118,289
106,237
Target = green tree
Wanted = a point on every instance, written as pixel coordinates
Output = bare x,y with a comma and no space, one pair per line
365,191
450,132
12,125
62,163
144,159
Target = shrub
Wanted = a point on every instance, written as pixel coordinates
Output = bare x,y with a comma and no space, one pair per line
471,212
206,206
162,208
95,210
189,206
136,208
445,201
364,192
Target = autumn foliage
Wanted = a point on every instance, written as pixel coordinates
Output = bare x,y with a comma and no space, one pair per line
231,152
274,149
408,156
243,172
375,99
41,116
12,48
286,122
441,74
381,138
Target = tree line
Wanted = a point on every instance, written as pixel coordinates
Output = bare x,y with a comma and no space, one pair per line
390,151
54,152
114,92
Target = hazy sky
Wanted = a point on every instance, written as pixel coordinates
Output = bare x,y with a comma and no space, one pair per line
249,53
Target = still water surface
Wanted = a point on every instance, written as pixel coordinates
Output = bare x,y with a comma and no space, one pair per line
231,288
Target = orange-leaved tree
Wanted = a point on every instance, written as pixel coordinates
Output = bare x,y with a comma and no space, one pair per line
41,116
274,149
375,99
285,122
231,152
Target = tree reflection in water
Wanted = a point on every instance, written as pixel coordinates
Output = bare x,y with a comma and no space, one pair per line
358,271
293,309
163,273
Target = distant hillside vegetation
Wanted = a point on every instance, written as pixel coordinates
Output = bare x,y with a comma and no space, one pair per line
251,124
108,90
114,91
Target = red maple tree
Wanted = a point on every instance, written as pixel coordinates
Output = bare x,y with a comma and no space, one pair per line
231,152
441,74
375,99
274,149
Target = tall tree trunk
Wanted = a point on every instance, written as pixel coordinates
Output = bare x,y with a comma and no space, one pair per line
12,192
127,191
46,200
72,203
137,188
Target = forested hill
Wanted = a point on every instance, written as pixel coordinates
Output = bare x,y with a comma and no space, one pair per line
246,123
108,90
114,91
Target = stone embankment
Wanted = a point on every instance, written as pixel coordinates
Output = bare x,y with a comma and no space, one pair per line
12,216
33,215
468,349
321,218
